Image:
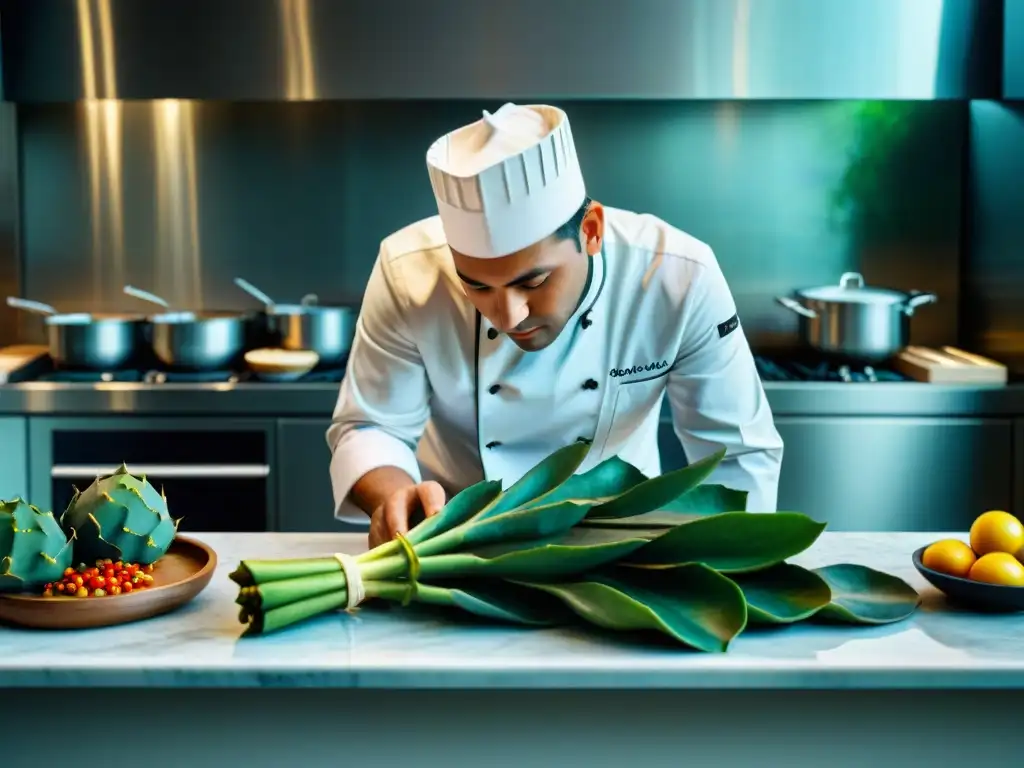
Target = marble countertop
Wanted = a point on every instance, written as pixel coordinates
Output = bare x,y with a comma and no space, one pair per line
200,645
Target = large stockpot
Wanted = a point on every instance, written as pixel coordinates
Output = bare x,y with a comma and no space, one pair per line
306,326
855,321
86,341
196,341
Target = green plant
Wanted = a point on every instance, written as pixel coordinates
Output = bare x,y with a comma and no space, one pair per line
609,547
33,548
120,517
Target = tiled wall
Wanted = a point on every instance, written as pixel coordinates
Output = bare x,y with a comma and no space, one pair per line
179,198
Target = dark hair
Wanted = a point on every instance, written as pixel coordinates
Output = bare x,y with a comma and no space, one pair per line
571,229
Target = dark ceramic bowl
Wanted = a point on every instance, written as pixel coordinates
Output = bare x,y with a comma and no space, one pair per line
972,594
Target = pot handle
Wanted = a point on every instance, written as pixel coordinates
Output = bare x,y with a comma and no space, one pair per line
916,299
851,280
255,292
152,298
796,306
32,306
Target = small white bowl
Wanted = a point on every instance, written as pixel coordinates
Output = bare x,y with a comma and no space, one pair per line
281,364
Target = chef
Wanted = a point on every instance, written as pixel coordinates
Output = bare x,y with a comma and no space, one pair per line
526,316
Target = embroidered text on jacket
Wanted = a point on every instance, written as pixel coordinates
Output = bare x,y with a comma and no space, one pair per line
619,372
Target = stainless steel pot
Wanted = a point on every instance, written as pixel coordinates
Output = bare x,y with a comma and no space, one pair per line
84,341
196,341
856,321
326,330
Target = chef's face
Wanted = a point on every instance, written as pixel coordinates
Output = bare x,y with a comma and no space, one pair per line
531,294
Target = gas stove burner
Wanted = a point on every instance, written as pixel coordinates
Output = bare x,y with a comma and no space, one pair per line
329,374
64,376
194,377
777,369
326,376
867,372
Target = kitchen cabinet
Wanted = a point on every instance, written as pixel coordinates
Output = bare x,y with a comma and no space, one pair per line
306,501
890,474
14,466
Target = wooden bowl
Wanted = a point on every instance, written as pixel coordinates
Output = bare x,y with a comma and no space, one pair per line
281,364
969,593
181,574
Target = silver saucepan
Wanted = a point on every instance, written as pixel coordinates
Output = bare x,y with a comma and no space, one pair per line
195,341
86,341
326,330
856,321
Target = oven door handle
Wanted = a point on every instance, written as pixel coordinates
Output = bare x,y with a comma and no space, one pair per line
222,471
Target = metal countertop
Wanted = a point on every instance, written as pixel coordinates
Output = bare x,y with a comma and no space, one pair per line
318,400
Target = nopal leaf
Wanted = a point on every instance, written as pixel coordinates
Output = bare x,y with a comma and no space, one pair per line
708,499
497,600
701,501
783,594
862,595
541,480
608,480
692,603
531,523
578,551
732,542
459,508
659,491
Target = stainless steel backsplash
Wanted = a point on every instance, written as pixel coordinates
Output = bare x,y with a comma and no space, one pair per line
181,197
993,285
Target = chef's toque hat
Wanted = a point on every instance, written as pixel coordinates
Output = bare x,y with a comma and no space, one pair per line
506,181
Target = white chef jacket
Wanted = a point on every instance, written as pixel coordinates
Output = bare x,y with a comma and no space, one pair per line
433,389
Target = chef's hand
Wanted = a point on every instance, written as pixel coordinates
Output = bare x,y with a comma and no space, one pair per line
393,515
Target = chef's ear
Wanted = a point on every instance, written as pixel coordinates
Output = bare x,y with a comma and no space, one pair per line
593,228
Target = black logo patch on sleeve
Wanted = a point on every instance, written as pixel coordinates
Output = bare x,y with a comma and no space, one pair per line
730,325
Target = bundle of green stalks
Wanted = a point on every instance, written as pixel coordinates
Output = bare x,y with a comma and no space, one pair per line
608,548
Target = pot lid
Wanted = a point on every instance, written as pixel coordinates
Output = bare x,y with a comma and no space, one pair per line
851,290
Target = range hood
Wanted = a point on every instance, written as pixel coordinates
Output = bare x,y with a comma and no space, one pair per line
276,50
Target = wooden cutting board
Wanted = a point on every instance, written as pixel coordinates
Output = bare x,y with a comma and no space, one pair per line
19,359
949,365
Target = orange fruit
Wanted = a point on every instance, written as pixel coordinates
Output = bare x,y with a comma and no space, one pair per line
949,556
998,568
997,532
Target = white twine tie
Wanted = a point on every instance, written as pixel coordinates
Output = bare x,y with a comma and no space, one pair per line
356,589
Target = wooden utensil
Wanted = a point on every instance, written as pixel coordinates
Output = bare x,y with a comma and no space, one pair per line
949,365
181,574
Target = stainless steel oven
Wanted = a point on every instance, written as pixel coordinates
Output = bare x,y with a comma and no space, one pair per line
216,472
